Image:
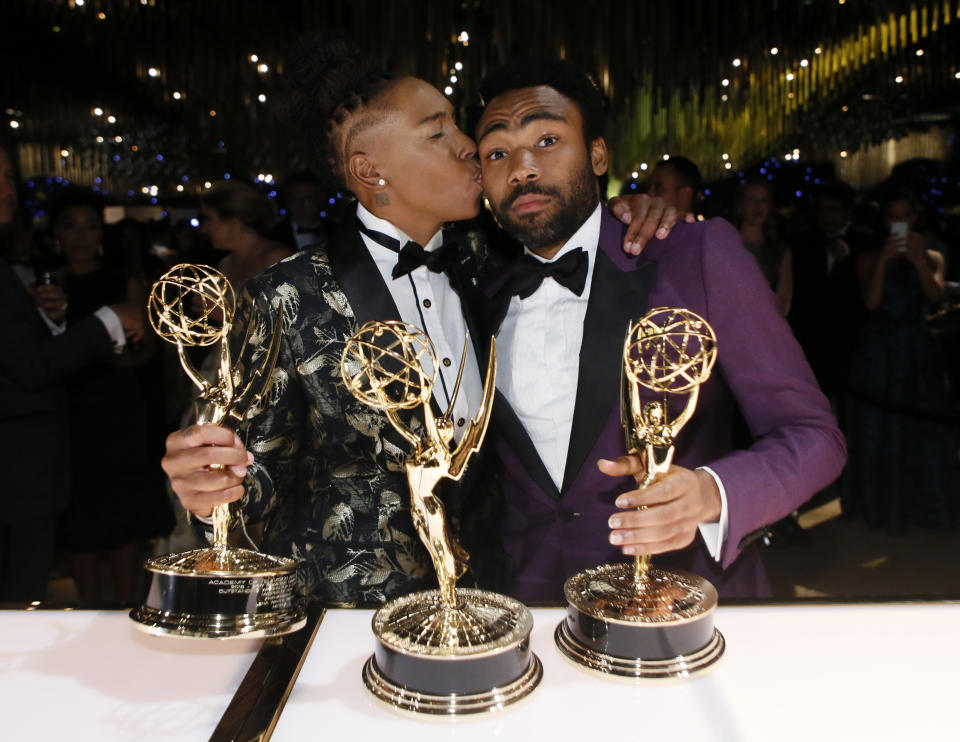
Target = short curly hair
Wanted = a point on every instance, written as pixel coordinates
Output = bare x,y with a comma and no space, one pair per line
563,76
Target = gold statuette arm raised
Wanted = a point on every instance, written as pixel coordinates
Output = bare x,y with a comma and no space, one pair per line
477,427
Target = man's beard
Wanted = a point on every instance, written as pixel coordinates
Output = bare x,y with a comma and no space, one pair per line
571,207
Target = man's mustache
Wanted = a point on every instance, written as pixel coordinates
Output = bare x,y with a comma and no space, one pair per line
527,189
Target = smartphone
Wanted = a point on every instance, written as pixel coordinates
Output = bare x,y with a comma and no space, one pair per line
899,231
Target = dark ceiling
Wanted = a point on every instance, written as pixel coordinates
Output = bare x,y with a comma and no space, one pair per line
178,80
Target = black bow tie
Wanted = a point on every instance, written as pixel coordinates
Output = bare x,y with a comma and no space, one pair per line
413,255
570,271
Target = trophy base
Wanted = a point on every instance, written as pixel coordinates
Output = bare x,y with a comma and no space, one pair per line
221,593
472,659
659,629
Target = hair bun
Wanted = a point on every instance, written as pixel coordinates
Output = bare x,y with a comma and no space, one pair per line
327,76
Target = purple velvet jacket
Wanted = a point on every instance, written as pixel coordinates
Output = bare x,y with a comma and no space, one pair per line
549,534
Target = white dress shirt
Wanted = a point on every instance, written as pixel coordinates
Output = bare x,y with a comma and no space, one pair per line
538,348
426,299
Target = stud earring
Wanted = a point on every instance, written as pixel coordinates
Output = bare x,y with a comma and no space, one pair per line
381,182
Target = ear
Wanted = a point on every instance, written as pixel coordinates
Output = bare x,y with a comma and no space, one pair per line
364,172
598,156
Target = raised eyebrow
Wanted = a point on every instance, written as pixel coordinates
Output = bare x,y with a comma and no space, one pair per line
529,118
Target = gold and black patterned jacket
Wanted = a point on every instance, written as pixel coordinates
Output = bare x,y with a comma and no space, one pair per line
328,480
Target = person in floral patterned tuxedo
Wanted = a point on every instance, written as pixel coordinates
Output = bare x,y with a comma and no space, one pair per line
323,472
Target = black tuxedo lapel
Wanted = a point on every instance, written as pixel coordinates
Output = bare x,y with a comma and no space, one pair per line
360,278
497,302
616,297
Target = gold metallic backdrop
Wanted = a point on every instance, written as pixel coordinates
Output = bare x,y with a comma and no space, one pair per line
189,103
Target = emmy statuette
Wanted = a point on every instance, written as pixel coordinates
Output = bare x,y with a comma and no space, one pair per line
217,592
448,651
633,620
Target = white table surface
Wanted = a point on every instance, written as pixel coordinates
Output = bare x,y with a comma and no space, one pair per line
812,673
91,675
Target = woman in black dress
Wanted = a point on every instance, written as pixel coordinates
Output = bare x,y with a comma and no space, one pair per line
115,501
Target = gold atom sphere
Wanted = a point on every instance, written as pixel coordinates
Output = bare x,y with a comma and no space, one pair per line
185,290
670,350
382,365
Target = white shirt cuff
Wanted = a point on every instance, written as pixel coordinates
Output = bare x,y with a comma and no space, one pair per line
56,328
715,533
114,329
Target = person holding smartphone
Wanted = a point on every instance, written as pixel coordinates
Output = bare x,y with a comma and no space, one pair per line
902,433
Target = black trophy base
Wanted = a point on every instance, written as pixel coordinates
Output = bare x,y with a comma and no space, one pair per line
677,667
401,698
221,594
660,628
435,660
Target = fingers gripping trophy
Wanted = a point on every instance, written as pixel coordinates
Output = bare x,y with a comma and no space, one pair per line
220,591
448,651
634,620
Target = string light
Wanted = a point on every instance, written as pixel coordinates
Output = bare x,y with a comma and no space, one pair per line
804,62
14,124
213,112
207,184
725,82
774,51
898,79
98,111
919,52
254,58
111,119
262,98
453,78
263,68
458,66
177,95
818,50
179,188
643,166
789,76
725,156
634,175
736,62
64,153
844,153
99,140
153,72
448,90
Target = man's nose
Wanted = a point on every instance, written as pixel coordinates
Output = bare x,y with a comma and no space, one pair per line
523,167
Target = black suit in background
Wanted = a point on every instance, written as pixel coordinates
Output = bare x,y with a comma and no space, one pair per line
34,433
827,312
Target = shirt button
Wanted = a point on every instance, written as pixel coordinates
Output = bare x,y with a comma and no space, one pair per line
427,303
446,361
460,422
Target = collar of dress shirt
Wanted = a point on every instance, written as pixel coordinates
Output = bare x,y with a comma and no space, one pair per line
587,237
382,225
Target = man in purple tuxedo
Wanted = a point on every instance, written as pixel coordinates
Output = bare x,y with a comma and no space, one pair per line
560,314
